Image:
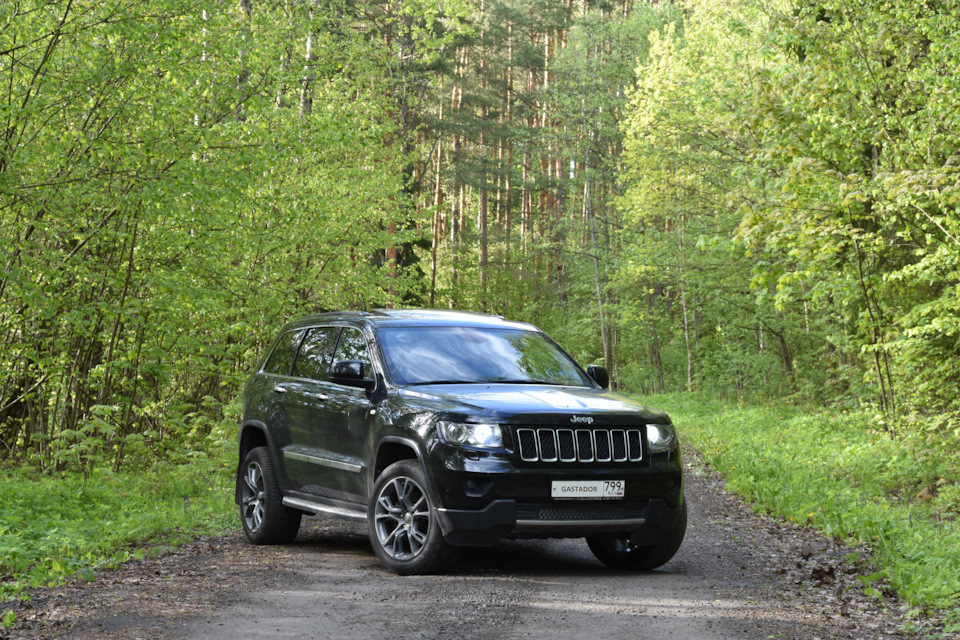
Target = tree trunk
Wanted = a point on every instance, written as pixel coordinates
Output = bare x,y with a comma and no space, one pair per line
597,275
683,305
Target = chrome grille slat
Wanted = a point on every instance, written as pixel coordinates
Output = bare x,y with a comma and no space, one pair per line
547,442
560,444
619,438
602,439
527,439
634,443
568,446
585,445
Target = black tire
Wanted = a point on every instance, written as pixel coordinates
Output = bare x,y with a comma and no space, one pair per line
265,519
404,531
619,553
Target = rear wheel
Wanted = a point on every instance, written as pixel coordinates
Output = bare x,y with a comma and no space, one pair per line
265,519
404,531
620,553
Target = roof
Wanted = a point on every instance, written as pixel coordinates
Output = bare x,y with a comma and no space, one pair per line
416,318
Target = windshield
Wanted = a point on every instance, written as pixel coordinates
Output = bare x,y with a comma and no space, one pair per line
438,355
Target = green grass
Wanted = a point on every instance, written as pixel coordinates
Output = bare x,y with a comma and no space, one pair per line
52,527
837,473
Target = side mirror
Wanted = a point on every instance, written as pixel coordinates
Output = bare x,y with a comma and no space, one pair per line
599,375
350,374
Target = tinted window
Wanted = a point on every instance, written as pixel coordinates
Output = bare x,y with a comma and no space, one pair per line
281,360
353,346
423,355
316,353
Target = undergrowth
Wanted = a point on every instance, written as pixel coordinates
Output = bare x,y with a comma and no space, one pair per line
52,527
841,474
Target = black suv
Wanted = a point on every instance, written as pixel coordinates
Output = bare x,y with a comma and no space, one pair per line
442,429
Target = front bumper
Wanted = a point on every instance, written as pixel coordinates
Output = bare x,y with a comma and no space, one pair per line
646,523
485,496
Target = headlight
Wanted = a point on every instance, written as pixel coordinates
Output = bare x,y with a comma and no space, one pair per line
474,435
661,437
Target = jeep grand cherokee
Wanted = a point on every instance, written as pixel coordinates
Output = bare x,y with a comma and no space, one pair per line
444,429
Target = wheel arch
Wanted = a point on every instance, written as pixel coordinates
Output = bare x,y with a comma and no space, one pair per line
394,449
252,435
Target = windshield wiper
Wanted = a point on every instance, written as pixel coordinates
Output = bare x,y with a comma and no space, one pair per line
530,381
518,381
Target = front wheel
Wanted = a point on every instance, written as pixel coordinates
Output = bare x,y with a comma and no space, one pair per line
404,530
265,519
620,553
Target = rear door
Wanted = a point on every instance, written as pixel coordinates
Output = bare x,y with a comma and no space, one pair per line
305,402
267,392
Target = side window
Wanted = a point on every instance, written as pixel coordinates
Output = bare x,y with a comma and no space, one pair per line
281,360
316,353
353,346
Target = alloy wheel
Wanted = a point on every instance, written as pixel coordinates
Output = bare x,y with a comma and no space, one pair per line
253,496
402,518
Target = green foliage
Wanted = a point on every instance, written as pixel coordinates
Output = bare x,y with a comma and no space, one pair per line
683,278
791,180
55,527
858,175
834,472
174,184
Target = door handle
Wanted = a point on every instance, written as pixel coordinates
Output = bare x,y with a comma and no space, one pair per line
321,397
279,389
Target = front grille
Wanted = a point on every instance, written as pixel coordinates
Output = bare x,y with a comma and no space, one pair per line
551,444
547,513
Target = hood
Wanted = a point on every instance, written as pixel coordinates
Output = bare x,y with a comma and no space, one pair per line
519,403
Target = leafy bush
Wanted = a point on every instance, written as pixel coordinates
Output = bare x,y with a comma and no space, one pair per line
54,527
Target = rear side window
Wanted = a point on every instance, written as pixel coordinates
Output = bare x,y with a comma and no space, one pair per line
316,353
281,360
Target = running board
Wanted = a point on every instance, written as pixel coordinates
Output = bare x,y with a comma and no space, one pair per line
316,507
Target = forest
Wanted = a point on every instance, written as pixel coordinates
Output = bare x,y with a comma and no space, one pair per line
753,203
752,199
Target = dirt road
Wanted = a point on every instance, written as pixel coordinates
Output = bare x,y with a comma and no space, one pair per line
737,576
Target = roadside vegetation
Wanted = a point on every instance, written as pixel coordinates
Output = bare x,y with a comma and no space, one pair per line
74,523
835,472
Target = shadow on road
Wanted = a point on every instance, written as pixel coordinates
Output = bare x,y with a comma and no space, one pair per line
529,558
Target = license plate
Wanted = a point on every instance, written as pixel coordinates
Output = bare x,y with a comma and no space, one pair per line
587,489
